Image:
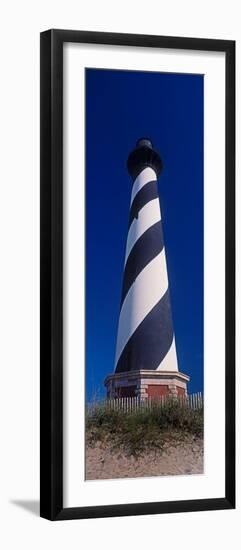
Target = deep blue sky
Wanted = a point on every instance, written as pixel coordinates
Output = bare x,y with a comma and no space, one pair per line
122,106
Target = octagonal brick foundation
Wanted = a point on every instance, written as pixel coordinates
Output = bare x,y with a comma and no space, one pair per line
146,383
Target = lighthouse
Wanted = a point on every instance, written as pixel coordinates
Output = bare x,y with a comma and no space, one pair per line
146,362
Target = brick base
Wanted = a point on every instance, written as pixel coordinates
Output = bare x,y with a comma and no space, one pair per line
146,383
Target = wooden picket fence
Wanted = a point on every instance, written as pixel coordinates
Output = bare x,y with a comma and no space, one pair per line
131,404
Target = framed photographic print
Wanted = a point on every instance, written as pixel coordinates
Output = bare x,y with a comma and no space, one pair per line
137,274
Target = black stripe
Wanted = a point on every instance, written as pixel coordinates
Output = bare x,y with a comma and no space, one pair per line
146,248
146,194
151,341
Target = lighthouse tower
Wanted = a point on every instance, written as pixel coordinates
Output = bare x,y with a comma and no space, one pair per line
146,359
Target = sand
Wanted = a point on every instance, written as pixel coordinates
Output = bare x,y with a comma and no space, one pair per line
104,462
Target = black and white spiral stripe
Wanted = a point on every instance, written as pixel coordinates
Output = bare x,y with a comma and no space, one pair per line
145,337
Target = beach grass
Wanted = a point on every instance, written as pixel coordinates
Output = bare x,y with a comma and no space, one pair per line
137,431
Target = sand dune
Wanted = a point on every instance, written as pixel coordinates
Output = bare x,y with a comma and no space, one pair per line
104,462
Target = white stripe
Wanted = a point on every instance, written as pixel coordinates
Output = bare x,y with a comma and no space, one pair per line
147,216
169,363
148,288
148,174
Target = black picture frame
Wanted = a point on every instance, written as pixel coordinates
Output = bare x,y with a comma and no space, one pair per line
51,325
